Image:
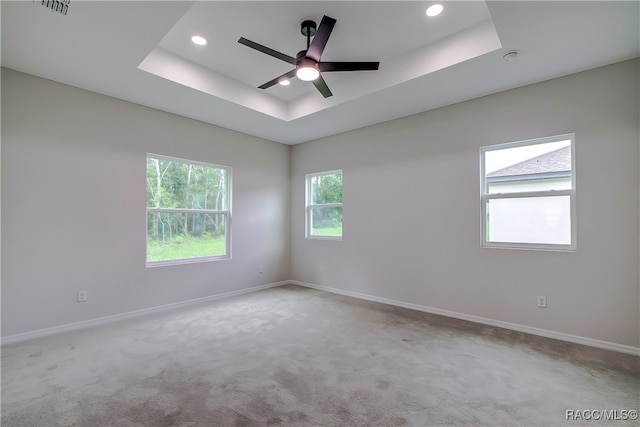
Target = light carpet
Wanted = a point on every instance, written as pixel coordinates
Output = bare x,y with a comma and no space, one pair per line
300,357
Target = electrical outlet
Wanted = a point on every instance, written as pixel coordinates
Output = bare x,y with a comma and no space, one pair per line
82,296
542,301
261,269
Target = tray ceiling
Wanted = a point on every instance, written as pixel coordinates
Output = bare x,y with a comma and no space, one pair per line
141,52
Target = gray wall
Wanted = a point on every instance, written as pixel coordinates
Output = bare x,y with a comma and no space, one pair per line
73,205
412,212
73,165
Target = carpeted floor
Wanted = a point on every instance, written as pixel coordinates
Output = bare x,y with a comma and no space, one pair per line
300,357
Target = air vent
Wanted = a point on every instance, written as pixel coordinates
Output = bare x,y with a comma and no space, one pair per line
60,6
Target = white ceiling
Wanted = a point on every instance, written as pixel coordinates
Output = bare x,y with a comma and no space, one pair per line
141,52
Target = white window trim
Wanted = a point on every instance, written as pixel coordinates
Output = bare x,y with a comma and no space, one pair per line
484,197
310,206
226,213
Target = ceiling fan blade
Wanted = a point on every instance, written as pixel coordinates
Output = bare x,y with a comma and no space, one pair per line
320,39
348,66
286,58
321,85
285,76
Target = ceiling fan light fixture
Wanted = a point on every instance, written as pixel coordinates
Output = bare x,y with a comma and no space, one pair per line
284,82
307,73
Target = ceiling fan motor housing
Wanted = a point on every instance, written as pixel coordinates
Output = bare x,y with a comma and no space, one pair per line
305,62
302,60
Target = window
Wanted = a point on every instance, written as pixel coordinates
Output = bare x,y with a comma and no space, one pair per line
324,205
188,211
528,194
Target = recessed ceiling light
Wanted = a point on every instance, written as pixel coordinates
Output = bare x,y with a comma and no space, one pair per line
284,82
199,40
434,9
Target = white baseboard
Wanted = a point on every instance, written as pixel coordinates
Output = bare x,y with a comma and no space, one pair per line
483,320
11,339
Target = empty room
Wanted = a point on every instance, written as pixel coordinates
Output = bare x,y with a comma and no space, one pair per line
320,213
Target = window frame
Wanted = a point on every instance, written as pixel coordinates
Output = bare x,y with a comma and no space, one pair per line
309,206
226,212
571,193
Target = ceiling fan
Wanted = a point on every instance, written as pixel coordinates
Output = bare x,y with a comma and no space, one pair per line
308,65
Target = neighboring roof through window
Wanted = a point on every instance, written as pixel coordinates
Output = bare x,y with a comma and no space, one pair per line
553,164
